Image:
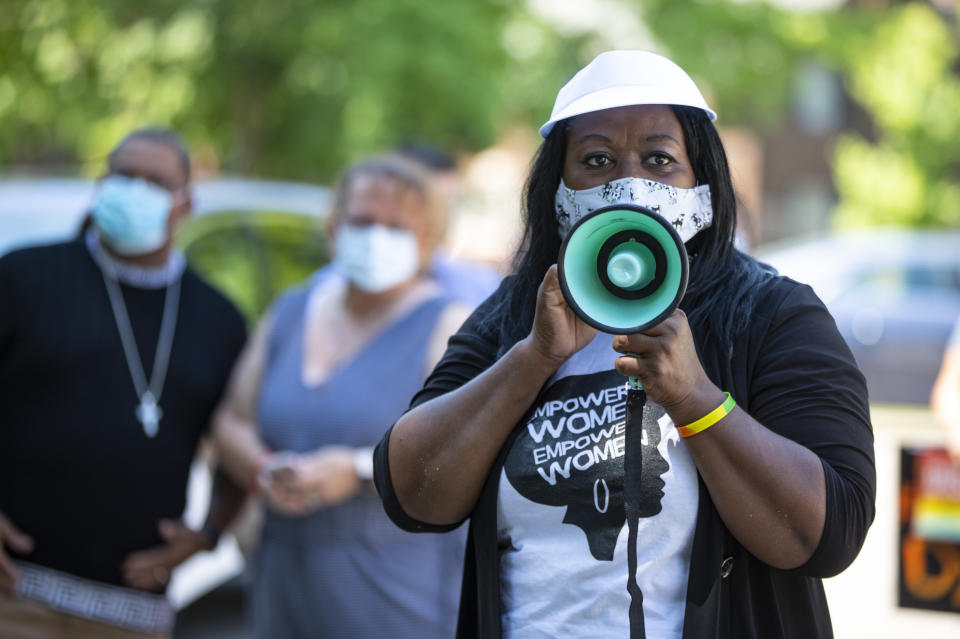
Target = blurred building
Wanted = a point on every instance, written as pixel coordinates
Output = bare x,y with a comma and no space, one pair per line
797,184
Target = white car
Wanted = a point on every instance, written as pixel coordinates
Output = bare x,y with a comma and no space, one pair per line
895,295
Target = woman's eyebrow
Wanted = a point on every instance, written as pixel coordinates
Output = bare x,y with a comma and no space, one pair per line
662,136
587,136
652,138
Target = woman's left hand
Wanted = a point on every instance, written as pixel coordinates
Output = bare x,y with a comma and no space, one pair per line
770,491
668,367
324,477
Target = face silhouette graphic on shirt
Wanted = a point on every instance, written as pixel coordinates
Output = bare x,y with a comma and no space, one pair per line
570,453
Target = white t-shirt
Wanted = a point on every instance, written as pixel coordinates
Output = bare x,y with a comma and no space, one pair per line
561,525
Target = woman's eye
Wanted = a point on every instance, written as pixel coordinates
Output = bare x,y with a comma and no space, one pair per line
597,161
660,159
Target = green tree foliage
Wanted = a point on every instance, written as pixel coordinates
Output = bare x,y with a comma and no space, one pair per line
282,88
298,88
735,50
899,64
909,174
293,89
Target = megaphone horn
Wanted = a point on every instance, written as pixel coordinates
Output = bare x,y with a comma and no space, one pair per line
623,269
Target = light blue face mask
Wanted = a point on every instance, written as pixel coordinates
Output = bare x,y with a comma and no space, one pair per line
376,258
131,214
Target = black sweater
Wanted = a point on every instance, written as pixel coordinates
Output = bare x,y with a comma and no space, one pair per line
77,471
792,371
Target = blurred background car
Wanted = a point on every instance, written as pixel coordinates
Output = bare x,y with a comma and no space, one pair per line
895,294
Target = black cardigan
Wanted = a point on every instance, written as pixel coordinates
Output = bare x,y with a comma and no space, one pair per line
792,371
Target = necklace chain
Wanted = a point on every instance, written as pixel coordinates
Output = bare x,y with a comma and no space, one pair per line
148,392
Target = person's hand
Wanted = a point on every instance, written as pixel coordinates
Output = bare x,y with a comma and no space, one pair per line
669,368
326,477
557,331
150,569
276,482
12,537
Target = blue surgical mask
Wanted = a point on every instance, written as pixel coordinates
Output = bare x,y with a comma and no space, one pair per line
131,214
376,258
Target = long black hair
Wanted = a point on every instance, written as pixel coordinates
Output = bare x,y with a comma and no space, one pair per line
723,281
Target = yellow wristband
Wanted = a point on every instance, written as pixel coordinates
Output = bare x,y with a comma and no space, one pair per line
709,419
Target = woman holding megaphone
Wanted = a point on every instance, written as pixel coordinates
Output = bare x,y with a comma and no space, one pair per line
757,476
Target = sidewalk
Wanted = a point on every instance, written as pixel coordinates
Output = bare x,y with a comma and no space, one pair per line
863,599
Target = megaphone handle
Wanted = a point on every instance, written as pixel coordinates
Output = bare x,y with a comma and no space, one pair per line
634,382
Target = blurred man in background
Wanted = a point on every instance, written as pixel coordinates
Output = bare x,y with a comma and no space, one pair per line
113,355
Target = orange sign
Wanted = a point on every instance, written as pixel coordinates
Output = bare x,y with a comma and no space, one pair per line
929,530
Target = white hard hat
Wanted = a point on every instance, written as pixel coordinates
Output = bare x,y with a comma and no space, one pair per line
624,78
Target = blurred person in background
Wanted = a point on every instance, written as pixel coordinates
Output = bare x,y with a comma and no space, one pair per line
465,280
113,357
755,465
331,366
945,398
462,280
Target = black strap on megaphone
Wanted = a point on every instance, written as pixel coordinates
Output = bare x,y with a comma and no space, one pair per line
632,476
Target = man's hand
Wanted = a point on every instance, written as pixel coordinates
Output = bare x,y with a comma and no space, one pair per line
12,537
150,569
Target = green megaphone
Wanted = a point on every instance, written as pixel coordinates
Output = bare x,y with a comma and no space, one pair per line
623,269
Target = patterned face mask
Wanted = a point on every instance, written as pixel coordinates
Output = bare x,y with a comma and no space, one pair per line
688,210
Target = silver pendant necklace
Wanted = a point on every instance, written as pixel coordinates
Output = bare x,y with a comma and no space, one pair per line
148,410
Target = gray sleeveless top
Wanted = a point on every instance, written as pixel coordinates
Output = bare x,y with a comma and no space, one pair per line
347,571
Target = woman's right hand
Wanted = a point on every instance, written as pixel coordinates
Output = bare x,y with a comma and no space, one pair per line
441,451
557,331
